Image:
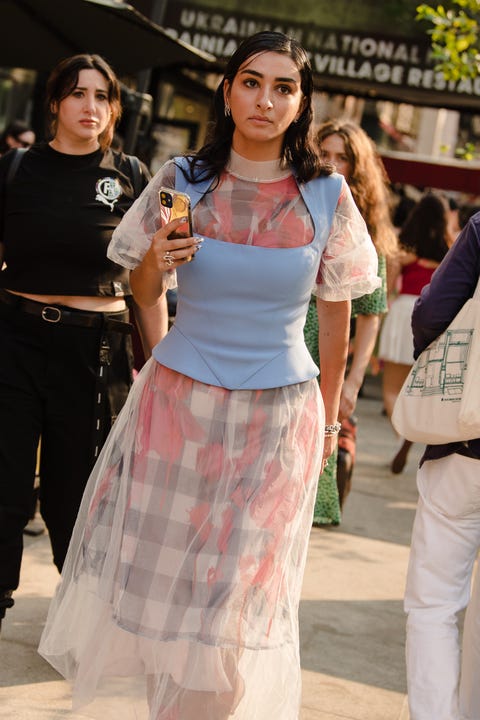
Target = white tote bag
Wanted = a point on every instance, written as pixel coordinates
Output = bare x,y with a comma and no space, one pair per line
440,399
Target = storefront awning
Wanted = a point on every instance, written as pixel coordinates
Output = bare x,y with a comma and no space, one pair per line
425,172
38,33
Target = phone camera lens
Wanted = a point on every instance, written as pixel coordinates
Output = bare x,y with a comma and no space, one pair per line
166,200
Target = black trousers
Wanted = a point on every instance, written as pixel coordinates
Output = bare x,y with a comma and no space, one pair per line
51,387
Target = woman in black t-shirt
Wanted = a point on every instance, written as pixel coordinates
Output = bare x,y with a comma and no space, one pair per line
66,360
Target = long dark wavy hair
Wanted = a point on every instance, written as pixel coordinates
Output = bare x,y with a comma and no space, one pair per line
424,232
298,150
63,80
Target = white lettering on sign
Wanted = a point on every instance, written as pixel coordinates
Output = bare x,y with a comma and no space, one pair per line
333,53
358,70
204,21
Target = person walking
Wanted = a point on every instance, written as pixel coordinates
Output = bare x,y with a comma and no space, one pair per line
424,241
446,531
17,134
66,360
187,559
347,146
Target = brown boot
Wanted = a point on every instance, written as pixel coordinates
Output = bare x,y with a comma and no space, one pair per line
400,459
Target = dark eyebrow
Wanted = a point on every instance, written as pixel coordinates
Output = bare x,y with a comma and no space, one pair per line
278,79
81,87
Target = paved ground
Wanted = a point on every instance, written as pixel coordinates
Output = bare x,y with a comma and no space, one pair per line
352,620
351,616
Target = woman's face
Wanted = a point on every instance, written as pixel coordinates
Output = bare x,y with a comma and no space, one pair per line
265,98
332,149
84,114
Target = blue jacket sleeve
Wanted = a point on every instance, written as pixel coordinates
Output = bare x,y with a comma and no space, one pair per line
452,284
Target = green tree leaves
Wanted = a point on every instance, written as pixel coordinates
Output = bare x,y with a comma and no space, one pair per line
455,37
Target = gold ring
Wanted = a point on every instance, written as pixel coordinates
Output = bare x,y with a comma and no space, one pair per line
169,259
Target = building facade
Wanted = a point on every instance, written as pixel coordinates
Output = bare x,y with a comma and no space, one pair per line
371,63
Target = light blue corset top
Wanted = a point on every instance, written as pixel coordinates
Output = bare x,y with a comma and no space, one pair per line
241,308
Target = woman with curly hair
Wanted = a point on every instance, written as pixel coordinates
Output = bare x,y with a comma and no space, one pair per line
346,145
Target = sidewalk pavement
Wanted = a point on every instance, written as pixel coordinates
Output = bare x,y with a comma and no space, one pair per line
352,623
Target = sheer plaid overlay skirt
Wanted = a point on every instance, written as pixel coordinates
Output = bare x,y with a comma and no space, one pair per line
187,559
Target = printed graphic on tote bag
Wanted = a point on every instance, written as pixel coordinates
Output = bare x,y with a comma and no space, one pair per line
441,368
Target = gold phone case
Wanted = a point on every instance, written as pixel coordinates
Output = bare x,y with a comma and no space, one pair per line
173,205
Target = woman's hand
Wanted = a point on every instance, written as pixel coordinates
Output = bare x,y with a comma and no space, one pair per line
165,254
147,279
328,448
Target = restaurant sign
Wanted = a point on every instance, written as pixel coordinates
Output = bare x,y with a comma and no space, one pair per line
386,66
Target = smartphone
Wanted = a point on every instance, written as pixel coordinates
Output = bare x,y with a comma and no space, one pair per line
173,205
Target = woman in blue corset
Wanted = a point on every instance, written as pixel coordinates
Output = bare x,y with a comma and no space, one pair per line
188,555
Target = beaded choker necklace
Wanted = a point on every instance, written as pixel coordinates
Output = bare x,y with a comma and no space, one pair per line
256,171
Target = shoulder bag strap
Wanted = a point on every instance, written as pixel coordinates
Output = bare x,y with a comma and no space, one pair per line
136,174
18,154
14,165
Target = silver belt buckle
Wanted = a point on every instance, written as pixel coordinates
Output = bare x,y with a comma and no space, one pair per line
48,309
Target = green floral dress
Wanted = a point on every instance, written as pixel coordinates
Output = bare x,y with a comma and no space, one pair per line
327,504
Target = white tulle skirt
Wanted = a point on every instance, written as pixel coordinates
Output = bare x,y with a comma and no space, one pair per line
396,337
187,558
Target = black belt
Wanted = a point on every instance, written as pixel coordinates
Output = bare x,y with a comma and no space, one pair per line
67,316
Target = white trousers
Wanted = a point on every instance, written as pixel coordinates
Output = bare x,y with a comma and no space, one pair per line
445,542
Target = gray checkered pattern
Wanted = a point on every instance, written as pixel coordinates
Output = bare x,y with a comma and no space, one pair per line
217,495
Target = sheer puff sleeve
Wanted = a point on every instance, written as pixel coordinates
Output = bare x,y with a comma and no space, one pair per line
133,236
349,265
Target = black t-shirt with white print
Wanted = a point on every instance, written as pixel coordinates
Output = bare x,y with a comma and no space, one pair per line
59,213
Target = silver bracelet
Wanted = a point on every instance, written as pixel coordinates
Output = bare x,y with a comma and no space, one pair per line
331,430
